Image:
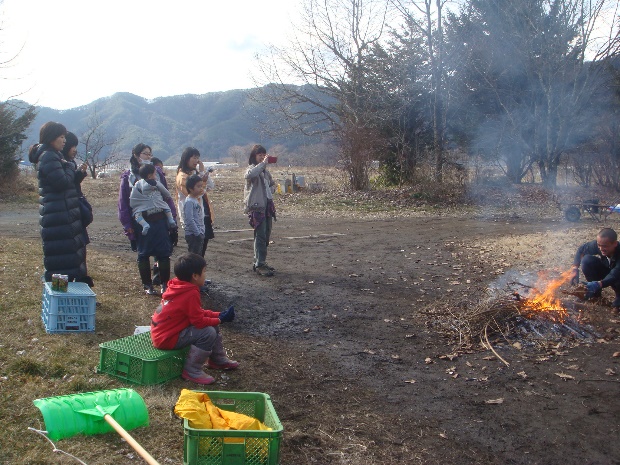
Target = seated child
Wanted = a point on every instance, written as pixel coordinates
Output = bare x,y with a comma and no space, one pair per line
148,195
180,321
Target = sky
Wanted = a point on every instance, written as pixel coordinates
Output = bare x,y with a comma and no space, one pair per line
66,53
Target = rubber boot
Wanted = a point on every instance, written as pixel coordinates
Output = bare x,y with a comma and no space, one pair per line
218,359
192,370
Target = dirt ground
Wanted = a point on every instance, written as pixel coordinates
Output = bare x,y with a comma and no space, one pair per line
350,340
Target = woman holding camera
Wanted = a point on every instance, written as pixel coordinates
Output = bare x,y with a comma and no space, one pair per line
258,201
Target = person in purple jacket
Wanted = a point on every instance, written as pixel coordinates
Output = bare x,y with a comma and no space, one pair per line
157,242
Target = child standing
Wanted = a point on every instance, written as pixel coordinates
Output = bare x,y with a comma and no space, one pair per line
149,196
180,321
194,215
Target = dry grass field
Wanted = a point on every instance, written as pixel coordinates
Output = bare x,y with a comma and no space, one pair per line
354,339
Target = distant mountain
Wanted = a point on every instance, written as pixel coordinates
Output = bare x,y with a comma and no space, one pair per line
211,122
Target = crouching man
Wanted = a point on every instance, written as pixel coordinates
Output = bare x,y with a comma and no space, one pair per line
600,263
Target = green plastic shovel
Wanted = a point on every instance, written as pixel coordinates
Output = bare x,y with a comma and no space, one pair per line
94,413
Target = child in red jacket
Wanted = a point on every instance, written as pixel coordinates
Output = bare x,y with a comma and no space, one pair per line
180,321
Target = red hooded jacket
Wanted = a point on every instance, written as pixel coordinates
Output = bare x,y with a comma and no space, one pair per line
180,307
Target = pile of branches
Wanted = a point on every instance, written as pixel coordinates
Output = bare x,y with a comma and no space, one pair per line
507,318
486,319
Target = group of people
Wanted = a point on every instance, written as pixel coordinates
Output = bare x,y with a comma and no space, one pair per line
149,215
150,218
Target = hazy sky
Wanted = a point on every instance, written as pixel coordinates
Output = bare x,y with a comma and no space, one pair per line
71,52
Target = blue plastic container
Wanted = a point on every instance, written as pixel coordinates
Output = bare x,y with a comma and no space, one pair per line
69,312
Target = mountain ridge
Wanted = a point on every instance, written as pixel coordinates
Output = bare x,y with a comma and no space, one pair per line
211,122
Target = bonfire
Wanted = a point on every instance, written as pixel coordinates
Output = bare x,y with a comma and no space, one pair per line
545,304
537,312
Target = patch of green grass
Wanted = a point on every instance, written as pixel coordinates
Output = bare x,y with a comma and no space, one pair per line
27,366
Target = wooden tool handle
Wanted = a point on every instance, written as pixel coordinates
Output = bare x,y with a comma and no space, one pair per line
132,442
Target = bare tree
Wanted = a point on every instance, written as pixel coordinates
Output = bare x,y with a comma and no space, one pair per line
100,151
327,59
535,76
240,153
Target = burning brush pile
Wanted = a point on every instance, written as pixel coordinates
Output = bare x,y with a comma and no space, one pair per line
530,316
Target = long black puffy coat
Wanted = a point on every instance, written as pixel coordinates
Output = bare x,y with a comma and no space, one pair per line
64,250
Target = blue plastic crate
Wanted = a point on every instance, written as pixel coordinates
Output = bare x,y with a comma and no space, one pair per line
69,312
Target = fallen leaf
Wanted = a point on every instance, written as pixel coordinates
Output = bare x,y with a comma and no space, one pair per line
410,381
572,367
396,356
616,355
316,307
455,375
428,360
387,320
522,374
610,372
495,401
564,376
443,435
559,353
517,345
469,364
488,357
368,351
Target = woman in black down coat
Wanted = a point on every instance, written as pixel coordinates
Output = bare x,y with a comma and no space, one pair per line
64,251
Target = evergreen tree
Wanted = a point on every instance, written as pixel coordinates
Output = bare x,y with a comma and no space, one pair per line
526,87
14,122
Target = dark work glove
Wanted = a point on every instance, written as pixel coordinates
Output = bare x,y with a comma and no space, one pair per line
593,288
227,315
134,245
174,236
574,280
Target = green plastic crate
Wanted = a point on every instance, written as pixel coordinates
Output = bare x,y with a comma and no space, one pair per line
134,359
236,447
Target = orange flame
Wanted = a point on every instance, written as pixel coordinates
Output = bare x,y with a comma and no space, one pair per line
545,303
